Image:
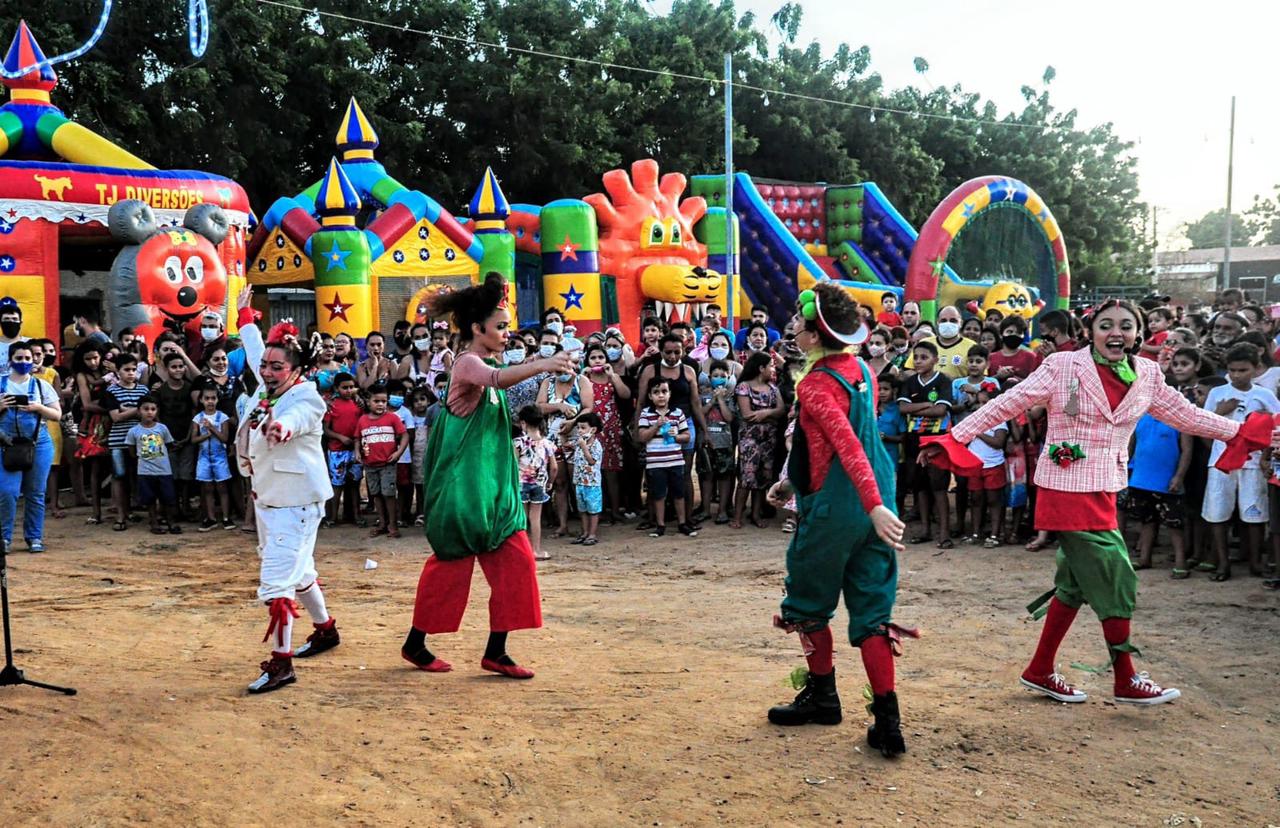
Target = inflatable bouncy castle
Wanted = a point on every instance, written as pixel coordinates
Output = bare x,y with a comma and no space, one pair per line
58,182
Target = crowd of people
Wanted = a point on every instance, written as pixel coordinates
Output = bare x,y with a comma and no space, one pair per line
687,427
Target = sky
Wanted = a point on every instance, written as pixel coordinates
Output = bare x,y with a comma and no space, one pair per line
1162,72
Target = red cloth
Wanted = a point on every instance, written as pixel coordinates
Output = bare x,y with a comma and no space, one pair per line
514,601
1023,362
824,416
890,319
343,417
1116,631
379,437
1155,341
989,480
822,659
1254,435
955,456
877,658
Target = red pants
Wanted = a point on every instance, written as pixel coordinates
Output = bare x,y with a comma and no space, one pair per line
514,602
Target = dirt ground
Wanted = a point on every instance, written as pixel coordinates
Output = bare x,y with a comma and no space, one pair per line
655,667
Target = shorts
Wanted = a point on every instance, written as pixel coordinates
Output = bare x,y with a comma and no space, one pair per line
664,481
404,474
212,467
533,493
987,480
343,467
921,478
590,499
121,461
1156,507
721,461
184,462
380,480
153,487
1243,488
692,445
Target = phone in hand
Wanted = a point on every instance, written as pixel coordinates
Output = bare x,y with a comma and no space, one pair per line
18,400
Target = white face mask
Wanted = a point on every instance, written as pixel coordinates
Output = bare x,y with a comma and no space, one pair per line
754,346
209,334
875,350
947,330
719,352
555,327
514,357
422,344
547,351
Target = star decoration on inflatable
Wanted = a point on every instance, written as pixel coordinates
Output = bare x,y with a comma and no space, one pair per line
568,250
337,308
968,209
7,264
336,257
572,298
1009,191
937,265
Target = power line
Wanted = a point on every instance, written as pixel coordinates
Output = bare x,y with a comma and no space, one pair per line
604,64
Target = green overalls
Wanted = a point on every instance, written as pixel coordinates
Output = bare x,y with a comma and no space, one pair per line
835,548
471,485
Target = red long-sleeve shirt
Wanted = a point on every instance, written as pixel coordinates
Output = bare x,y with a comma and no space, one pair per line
824,416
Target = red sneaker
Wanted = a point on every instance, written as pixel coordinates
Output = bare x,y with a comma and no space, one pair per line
1054,686
513,670
1142,690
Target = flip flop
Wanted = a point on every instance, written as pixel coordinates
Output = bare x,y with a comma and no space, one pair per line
1179,574
1205,566
1271,583
1219,577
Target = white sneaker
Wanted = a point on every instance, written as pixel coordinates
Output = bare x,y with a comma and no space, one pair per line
1142,690
1055,687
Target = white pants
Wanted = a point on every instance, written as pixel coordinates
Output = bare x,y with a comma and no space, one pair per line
287,545
1245,489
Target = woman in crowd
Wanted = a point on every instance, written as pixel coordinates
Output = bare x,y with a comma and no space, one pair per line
760,406
28,407
561,398
90,372
607,388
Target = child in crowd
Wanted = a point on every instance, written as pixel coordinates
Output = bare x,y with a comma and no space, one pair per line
890,424
1012,363
1161,457
121,402
1159,321
587,477
420,400
150,441
380,440
173,395
987,486
340,423
968,393
925,401
664,431
404,475
537,458
718,411
1245,488
888,316
1196,482
210,434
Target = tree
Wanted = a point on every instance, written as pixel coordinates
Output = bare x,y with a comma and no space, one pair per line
1210,230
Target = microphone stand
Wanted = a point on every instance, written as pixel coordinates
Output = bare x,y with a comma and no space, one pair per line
9,674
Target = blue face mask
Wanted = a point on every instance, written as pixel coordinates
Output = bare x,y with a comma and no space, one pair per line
564,377
614,354
719,382
395,401
20,367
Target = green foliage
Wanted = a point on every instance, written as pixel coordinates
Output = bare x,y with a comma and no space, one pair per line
1210,230
265,102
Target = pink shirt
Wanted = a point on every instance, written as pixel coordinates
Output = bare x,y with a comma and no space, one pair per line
470,376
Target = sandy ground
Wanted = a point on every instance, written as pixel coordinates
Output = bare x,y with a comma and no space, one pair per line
655,668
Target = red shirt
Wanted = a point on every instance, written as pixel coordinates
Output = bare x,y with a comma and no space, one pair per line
890,319
379,437
1023,362
1082,511
342,418
1154,341
824,416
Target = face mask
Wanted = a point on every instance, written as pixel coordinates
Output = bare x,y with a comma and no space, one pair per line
596,369
613,354
564,377
555,327
875,350
20,367
422,344
947,330
1011,340
752,346
50,359
513,357
670,363
547,351
395,401
719,382
901,349
10,329
401,338
719,352
209,334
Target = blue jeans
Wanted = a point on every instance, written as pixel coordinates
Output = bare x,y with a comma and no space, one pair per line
30,484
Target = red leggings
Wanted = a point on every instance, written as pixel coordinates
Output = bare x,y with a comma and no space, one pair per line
514,602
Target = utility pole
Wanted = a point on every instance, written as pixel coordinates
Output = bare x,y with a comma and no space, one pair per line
1231,158
730,240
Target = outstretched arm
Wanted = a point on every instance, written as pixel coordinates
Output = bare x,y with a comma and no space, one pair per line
1034,390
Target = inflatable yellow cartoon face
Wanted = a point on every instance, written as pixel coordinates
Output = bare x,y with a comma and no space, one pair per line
1011,299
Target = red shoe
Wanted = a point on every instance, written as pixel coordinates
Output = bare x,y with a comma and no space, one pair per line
435,665
514,671
1142,690
1054,686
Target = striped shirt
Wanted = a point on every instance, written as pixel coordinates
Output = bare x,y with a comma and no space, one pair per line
118,398
663,452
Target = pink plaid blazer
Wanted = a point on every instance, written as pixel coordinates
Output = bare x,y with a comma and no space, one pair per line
1069,386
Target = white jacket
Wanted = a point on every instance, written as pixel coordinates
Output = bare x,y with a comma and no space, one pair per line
292,473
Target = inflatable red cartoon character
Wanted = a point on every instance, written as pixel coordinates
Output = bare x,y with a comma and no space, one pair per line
164,279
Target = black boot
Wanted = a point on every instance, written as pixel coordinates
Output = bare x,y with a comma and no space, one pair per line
886,734
817,702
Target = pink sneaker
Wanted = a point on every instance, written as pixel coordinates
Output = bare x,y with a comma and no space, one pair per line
1054,686
1142,690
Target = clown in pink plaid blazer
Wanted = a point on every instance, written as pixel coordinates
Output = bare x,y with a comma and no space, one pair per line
1079,413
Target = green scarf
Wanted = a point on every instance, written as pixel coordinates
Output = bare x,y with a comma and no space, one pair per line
1122,368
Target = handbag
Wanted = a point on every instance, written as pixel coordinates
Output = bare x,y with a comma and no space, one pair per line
19,454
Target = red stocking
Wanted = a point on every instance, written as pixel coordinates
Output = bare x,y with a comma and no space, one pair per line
877,658
1056,623
1116,631
821,660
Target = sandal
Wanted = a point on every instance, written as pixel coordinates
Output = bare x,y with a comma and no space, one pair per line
119,526
946,543
376,532
920,539
578,541
644,526
971,539
1203,566
159,530
1179,574
991,542
1221,576
394,534
93,521
721,520
1271,583
543,557
789,525
1035,545
590,541
328,524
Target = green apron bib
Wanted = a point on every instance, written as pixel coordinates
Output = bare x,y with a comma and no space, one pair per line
835,549
471,480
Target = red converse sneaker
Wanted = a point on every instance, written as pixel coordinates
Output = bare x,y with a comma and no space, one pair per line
1142,690
276,673
1054,686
